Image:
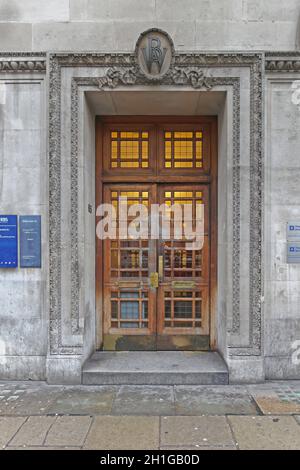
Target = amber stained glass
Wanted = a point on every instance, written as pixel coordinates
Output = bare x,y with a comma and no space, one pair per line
183,149
129,149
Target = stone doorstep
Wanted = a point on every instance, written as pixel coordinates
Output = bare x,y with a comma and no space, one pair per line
155,368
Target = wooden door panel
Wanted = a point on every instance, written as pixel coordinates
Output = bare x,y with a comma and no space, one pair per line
183,297
130,303
163,161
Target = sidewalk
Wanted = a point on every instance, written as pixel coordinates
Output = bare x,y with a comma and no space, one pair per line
34,415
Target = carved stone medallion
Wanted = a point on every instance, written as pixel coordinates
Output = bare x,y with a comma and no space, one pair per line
154,53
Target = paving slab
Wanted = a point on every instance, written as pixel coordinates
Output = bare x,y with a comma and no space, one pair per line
33,432
141,400
198,448
84,401
123,432
195,431
8,428
265,432
68,431
42,448
277,397
220,400
271,404
27,398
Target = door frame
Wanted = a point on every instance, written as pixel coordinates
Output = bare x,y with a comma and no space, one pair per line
210,178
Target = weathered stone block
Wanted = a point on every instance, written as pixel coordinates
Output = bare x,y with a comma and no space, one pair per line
28,187
22,105
238,35
64,370
21,335
246,370
74,36
281,368
106,36
15,37
22,148
100,10
209,10
22,368
22,299
256,10
34,10
281,335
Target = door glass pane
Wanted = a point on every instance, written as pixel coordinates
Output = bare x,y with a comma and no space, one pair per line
183,149
179,261
183,266
129,149
182,309
129,264
129,309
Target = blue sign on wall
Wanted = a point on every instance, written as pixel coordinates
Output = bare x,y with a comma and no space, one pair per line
293,252
8,241
293,231
30,241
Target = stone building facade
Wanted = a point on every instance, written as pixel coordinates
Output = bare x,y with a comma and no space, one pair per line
64,62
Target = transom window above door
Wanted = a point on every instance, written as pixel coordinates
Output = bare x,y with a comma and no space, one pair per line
129,149
156,149
183,149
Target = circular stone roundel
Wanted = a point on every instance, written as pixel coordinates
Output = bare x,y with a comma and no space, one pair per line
154,53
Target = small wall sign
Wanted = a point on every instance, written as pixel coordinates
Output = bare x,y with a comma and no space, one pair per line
8,241
293,252
293,231
30,241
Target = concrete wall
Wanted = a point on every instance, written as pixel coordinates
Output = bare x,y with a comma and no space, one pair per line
282,204
23,190
114,25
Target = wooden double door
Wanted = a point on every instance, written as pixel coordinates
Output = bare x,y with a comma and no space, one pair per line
156,282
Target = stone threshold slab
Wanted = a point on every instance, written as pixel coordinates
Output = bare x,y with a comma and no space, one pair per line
155,368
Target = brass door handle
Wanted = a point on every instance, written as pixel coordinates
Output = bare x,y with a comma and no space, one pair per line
160,266
153,280
155,277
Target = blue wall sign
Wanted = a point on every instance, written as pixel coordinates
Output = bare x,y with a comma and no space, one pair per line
293,252
30,241
8,241
293,231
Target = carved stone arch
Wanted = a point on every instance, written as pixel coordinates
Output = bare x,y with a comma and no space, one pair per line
189,70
